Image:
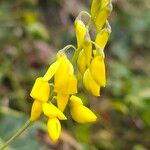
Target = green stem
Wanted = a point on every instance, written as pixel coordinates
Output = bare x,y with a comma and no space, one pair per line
25,126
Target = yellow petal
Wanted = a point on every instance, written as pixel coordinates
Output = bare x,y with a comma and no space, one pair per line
62,100
51,70
74,100
99,76
72,84
90,84
82,114
95,7
102,38
81,62
51,111
62,75
80,31
102,17
88,51
54,129
104,3
36,110
65,81
40,90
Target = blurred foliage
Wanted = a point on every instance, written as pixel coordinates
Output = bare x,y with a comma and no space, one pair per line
31,31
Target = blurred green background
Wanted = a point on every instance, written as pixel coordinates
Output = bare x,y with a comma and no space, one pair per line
31,32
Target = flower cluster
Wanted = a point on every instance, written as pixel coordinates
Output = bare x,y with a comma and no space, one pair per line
60,81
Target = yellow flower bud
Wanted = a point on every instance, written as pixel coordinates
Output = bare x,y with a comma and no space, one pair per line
64,79
80,31
40,90
99,76
102,38
104,3
81,62
95,7
51,70
54,128
52,111
90,84
87,46
62,100
79,112
36,110
102,16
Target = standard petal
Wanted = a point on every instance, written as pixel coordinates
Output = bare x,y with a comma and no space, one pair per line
54,129
40,90
51,70
62,75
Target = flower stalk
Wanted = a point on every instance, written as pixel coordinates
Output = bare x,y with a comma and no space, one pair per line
20,131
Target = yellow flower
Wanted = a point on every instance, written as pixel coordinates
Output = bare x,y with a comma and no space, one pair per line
95,7
79,112
81,62
52,111
87,46
65,82
40,90
102,38
80,31
64,77
36,110
90,83
97,70
104,3
54,128
102,16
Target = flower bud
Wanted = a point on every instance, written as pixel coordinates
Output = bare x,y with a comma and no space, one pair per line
102,16
98,76
90,83
80,31
95,7
36,110
79,112
87,46
102,38
54,128
40,90
81,62
104,3
51,111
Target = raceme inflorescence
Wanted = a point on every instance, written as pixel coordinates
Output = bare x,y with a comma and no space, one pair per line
62,76
60,81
